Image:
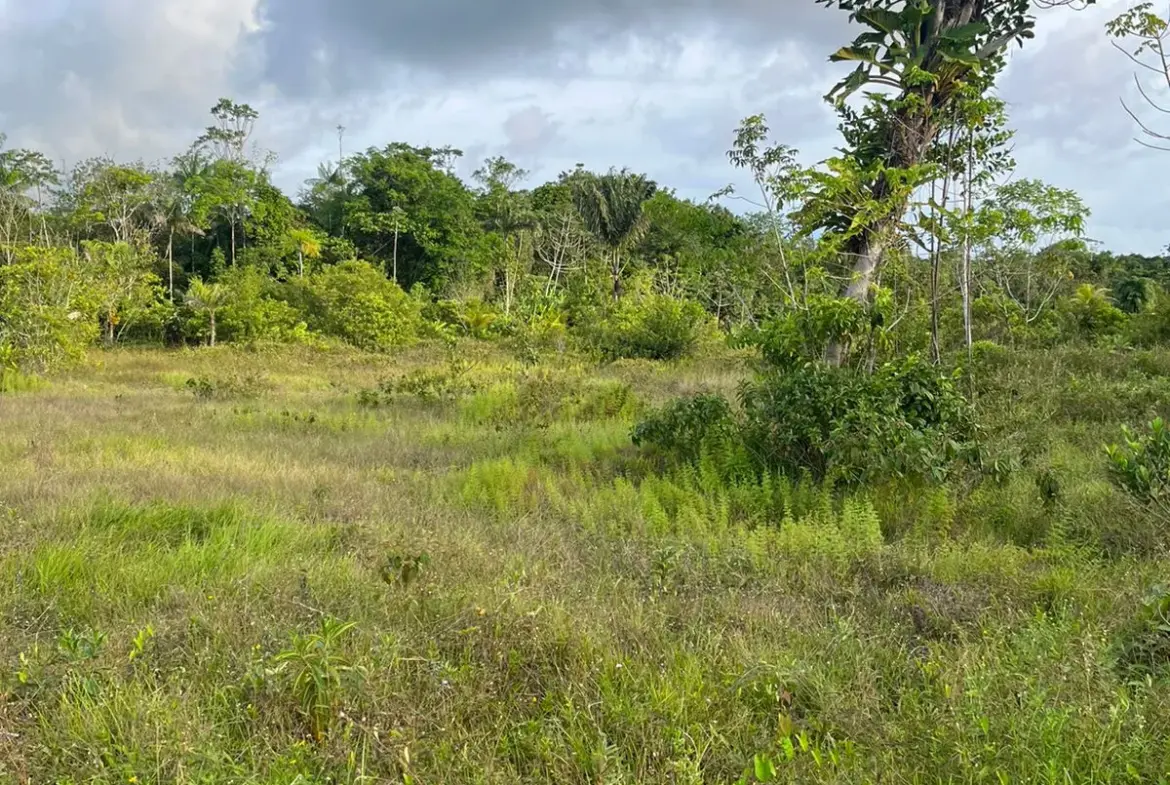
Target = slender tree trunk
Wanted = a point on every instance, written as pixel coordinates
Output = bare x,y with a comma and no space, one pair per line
936,262
233,225
967,247
171,263
212,336
616,271
300,263
395,269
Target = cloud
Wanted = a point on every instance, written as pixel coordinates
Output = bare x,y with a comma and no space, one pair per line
313,45
657,85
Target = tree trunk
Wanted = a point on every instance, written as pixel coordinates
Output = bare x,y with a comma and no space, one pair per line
171,264
300,263
212,336
616,271
233,225
911,136
967,248
395,270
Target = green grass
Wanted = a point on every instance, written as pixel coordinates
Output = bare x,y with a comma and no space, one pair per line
262,578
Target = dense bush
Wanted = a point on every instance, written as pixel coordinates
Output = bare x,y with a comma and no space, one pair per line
647,326
1141,466
256,311
904,420
687,428
355,302
48,309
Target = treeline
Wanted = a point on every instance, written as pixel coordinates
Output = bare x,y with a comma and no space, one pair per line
389,245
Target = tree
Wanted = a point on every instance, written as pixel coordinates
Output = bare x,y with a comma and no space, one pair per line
21,172
1024,231
175,209
509,214
233,127
928,53
122,282
307,245
226,189
119,198
560,239
207,298
611,206
437,235
1149,31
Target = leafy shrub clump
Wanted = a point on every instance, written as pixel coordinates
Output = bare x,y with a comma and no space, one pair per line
651,327
1143,645
1141,466
355,302
905,420
255,312
687,428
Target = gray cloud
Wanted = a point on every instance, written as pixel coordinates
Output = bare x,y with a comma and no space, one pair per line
122,77
658,85
338,45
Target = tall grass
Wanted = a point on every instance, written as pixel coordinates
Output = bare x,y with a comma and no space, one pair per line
289,585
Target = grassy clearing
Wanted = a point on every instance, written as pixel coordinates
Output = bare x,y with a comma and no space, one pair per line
227,566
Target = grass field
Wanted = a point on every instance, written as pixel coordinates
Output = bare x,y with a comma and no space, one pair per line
223,566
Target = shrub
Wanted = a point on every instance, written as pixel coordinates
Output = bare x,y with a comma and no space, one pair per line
651,326
354,301
686,428
47,309
255,311
1143,645
1141,466
904,420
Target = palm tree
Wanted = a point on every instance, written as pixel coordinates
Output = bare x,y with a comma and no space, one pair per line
208,298
306,244
611,206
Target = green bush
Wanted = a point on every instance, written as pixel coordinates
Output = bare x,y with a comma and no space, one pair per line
47,309
256,311
651,326
355,302
687,428
1141,466
904,420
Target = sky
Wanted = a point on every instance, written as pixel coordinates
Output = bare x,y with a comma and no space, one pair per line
656,85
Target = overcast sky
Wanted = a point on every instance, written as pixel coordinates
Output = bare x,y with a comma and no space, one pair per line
658,85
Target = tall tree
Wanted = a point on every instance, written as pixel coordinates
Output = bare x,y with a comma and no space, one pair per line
234,124
509,214
927,53
612,207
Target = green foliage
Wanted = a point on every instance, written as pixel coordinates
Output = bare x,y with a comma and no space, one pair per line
405,199
804,334
357,303
1141,466
687,429
47,309
256,312
318,675
649,326
905,420
1092,314
1143,644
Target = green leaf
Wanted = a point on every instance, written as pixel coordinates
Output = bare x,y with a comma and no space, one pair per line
765,770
